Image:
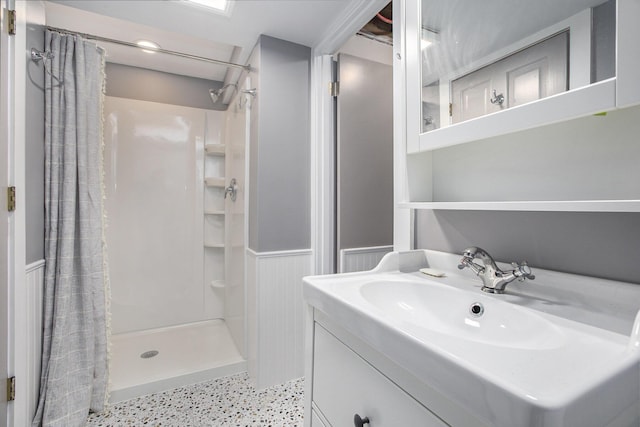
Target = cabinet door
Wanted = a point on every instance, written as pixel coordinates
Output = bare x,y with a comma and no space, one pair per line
472,96
533,73
344,384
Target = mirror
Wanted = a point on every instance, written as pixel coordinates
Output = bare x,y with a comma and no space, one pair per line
479,58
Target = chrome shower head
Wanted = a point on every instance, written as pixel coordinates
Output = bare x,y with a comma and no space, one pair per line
215,94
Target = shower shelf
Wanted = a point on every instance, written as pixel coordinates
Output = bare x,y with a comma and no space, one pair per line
214,149
214,245
218,284
214,182
214,212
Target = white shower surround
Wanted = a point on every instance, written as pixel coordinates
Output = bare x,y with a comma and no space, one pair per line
154,160
163,293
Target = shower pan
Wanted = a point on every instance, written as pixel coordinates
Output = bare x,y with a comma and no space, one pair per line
175,244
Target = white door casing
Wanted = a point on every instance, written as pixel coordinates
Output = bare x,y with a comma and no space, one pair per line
12,232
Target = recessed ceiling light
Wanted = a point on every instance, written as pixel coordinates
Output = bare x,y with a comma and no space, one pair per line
148,46
217,5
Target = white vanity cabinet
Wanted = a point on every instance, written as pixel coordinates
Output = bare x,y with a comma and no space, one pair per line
349,378
345,385
526,107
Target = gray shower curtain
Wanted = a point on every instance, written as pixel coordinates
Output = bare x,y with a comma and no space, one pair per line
75,343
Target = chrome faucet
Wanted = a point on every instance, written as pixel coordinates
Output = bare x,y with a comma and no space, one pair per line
494,279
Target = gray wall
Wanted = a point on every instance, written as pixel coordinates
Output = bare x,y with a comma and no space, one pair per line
280,209
602,245
34,149
124,81
365,153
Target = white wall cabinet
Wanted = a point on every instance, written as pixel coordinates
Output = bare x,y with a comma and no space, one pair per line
571,149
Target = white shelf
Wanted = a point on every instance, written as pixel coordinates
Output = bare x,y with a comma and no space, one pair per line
214,182
214,213
214,149
541,206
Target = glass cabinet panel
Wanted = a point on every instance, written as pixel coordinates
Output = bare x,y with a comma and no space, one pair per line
479,58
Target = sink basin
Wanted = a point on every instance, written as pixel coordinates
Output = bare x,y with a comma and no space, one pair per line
494,355
461,315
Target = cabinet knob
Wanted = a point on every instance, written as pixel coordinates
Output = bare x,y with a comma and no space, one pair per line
359,422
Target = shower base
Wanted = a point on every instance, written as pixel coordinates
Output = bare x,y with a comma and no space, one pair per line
186,354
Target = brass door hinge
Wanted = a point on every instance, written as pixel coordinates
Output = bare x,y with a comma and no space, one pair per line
11,27
11,199
11,389
334,89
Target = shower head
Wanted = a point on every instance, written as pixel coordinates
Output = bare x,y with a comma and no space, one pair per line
215,94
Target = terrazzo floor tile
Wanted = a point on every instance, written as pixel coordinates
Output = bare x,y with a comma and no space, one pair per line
224,402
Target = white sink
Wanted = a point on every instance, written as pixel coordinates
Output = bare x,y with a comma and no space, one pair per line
511,365
462,315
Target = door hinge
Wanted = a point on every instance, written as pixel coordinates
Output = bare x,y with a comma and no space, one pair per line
450,109
11,199
11,389
11,27
334,89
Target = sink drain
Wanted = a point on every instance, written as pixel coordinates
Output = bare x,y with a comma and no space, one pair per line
149,354
476,309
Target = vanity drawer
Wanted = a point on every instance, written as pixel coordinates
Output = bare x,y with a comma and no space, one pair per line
344,384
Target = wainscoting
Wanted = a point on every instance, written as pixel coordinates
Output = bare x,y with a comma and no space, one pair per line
275,307
34,295
362,259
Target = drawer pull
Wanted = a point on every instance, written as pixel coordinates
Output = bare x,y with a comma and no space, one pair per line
360,422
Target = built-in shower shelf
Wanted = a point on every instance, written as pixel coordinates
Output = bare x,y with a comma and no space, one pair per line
214,245
214,212
218,284
215,149
214,182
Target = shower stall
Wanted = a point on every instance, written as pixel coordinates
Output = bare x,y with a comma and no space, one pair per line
175,202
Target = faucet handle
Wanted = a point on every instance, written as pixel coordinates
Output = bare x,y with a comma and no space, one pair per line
522,271
466,261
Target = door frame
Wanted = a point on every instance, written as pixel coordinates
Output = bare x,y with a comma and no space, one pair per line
323,172
13,329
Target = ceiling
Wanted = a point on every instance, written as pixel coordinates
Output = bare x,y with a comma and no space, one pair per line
178,26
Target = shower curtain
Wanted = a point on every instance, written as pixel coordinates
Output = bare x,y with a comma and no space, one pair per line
74,351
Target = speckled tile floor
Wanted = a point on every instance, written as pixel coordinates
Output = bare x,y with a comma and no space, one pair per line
224,402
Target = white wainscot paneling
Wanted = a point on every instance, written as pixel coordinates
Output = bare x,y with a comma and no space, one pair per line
362,259
35,292
276,315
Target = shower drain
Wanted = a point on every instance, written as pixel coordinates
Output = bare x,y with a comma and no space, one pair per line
149,354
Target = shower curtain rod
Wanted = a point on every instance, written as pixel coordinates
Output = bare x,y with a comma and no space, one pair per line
169,52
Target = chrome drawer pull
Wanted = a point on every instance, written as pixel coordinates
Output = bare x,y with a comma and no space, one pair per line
360,422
